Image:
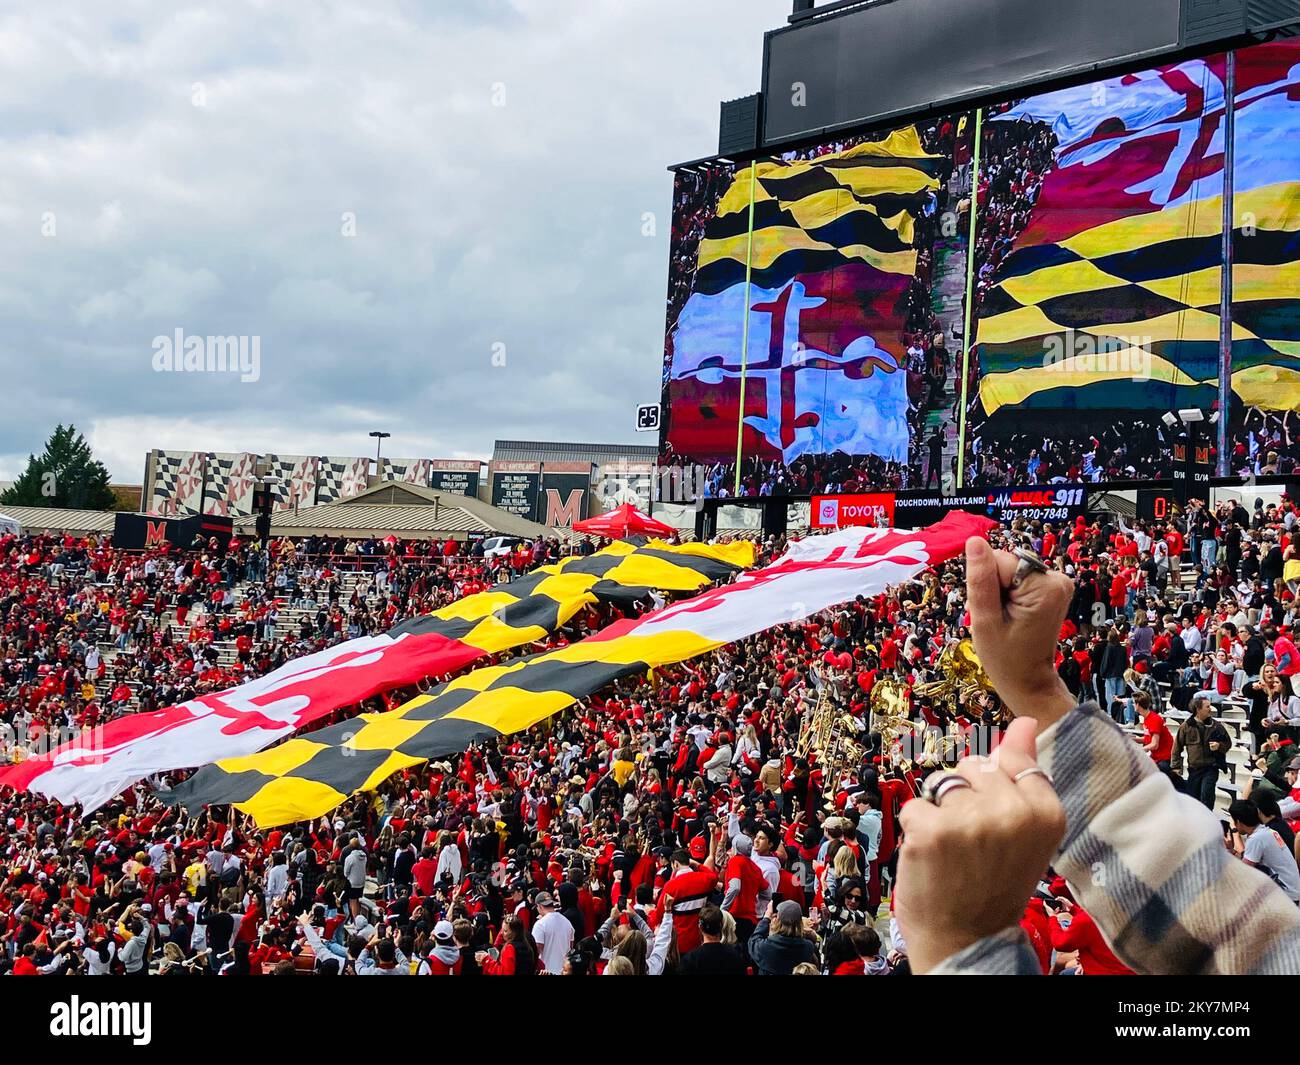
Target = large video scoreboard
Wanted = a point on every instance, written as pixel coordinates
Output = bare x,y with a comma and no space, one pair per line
1017,292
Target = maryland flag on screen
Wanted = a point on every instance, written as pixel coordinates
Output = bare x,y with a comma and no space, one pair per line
309,776
1110,297
252,716
833,255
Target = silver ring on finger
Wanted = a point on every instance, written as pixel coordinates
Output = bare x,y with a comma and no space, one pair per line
937,785
1035,771
1029,563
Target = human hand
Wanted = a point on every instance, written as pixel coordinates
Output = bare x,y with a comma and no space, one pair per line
967,867
1015,629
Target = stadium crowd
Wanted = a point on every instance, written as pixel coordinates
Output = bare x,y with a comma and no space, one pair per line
165,613
1015,160
1263,443
677,824
1114,453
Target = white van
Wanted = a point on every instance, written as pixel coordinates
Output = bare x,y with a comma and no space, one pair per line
500,545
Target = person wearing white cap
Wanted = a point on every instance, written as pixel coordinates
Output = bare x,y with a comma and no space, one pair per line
445,959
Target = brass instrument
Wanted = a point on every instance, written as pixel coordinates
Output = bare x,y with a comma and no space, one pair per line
962,680
890,713
963,677
890,717
815,729
833,736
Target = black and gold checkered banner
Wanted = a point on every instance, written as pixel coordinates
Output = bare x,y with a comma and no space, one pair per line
256,714
309,776
533,607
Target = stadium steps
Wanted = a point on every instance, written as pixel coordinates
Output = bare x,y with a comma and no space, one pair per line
946,296
288,625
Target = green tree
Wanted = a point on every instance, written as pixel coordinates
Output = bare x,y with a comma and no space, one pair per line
65,475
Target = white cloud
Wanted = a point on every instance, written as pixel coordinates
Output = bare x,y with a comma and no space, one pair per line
475,224
158,290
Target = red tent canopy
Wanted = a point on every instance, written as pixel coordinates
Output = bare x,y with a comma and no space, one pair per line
623,522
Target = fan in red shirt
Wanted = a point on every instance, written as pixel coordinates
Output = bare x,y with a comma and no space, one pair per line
1081,934
1158,741
743,881
689,888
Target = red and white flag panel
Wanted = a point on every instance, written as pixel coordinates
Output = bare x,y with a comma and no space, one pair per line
102,763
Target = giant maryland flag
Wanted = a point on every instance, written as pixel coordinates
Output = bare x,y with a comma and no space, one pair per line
102,763
1122,252
833,255
309,776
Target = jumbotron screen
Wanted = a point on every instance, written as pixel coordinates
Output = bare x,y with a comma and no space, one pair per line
817,300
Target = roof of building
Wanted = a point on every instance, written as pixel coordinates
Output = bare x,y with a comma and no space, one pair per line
38,519
400,509
391,507
547,451
1116,504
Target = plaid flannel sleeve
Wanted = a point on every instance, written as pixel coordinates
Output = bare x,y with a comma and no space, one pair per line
1005,954
1150,866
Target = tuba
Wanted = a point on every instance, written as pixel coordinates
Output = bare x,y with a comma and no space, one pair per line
962,681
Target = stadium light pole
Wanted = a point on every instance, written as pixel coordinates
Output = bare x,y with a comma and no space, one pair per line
380,437
209,458
1225,294
266,481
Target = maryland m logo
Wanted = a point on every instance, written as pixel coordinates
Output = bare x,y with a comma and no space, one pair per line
563,515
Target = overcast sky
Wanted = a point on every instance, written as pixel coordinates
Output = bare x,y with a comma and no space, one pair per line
196,166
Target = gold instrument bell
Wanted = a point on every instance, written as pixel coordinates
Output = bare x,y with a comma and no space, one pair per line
890,707
961,680
962,677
